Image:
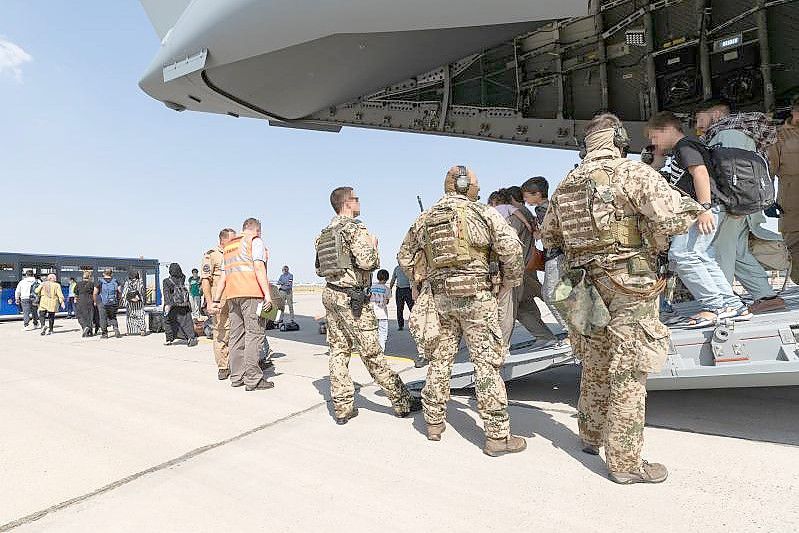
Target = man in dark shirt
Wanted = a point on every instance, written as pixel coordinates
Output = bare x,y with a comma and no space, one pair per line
691,254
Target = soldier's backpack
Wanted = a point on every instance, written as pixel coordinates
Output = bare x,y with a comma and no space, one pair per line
332,255
446,239
743,180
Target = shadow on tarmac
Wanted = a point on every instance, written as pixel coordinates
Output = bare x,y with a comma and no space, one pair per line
765,414
323,387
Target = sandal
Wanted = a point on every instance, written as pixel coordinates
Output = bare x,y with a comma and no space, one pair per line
697,321
736,314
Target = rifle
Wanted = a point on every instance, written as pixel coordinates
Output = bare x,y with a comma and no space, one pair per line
421,207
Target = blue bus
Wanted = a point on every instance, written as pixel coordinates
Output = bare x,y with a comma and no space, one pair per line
14,265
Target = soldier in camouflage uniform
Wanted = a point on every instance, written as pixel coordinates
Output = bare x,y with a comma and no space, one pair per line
612,217
346,255
211,271
447,251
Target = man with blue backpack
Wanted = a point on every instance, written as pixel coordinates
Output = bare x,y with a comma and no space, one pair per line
107,294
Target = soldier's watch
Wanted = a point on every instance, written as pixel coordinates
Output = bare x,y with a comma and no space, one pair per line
706,206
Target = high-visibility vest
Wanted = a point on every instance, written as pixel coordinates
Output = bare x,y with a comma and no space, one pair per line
240,280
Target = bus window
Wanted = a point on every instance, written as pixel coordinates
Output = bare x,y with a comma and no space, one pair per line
69,271
151,286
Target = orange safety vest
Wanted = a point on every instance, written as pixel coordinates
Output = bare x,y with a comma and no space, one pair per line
240,280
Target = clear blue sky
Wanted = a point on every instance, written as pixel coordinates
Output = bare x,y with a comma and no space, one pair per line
91,165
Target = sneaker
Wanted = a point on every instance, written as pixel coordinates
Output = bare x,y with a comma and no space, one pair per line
236,383
223,374
261,385
117,334
168,343
510,444
49,331
104,336
44,332
766,305
341,420
86,332
434,431
648,473
192,342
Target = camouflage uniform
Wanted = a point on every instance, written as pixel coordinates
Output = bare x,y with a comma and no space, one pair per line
211,270
345,331
473,316
616,358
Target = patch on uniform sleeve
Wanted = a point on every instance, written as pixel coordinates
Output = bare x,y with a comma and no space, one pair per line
206,268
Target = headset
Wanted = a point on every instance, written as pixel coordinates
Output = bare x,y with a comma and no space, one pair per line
621,140
462,180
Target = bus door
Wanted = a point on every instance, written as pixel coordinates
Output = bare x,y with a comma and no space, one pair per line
9,277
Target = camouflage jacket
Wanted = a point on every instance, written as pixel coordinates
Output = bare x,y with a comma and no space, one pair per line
365,258
636,190
486,229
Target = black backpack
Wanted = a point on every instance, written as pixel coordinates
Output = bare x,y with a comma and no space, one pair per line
743,180
180,294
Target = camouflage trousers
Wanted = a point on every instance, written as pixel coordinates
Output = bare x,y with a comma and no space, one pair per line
343,332
222,337
474,318
616,360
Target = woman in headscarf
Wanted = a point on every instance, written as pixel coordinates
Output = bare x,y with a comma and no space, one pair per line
85,304
133,296
52,298
178,307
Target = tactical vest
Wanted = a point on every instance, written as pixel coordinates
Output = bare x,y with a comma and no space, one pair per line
591,220
446,238
333,256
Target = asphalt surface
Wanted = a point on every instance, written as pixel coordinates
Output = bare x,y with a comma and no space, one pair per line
130,435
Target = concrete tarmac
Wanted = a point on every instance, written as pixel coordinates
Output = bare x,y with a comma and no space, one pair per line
130,435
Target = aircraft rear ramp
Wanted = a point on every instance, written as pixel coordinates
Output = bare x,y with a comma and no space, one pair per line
763,352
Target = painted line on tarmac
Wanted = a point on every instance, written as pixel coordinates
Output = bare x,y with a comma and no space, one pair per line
168,464
157,468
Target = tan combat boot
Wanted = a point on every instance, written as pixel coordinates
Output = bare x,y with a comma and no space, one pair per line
590,449
648,473
509,444
434,431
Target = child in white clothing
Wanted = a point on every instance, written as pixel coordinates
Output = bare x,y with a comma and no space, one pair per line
380,294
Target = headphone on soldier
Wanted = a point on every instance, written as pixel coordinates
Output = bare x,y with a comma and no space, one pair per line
621,140
462,181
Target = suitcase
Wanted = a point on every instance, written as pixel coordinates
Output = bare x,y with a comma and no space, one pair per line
156,321
289,326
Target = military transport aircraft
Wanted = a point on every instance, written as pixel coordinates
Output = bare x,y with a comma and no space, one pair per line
514,71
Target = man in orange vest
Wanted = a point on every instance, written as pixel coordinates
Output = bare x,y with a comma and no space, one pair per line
245,285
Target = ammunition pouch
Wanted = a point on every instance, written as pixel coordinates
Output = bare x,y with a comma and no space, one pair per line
460,286
357,295
579,301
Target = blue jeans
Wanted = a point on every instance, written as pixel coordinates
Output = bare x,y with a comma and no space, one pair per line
692,258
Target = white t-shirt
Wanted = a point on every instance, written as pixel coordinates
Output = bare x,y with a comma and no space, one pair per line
379,295
259,252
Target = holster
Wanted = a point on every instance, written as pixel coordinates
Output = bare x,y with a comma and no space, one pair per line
357,295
